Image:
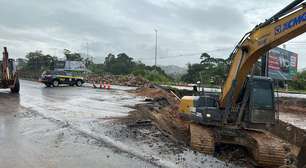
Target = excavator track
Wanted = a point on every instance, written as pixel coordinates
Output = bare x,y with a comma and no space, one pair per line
267,150
202,139
270,151
182,131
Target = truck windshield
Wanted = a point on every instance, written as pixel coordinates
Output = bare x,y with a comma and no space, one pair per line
262,96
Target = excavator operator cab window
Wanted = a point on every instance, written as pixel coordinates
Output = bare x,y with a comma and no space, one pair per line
207,101
262,101
264,95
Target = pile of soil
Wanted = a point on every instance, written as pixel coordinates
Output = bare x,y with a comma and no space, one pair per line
292,105
123,80
161,109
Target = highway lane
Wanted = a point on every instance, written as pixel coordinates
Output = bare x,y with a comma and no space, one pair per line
72,127
29,139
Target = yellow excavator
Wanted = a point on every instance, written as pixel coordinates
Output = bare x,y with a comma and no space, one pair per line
245,109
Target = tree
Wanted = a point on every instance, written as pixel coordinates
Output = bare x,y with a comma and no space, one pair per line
21,63
109,60
88,62
97,68
299,83
38,61
193,73
72,56
210,71
120,65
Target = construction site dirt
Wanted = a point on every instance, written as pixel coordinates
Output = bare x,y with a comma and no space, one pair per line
86,127
162,110
120,127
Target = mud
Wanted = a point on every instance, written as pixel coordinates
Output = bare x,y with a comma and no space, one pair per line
79,127
293,111
161,108
85,127
292,105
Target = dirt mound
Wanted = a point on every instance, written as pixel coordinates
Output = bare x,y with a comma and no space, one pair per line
161,109
292,105
123,80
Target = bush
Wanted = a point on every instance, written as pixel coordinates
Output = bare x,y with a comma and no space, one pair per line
300,81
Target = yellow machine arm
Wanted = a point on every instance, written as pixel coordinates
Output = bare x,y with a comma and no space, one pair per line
281,28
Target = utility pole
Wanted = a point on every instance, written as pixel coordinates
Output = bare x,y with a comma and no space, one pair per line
155,47
86,49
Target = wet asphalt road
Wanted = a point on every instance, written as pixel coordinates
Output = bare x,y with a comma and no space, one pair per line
297,120
69,127
33,134
72,127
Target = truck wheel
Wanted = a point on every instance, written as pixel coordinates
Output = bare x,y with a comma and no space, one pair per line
79,83
16,87
55,83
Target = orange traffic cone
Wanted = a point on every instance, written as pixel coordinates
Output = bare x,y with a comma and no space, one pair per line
108,86
100,84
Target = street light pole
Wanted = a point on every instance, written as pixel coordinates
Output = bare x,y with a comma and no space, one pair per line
87,49
155,47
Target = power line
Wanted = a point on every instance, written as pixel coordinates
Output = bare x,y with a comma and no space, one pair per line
193,54
187,54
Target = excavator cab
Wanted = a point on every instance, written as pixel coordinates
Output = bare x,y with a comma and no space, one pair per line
256,109
259,107
262,100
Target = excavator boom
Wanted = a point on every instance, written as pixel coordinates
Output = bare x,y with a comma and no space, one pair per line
282,27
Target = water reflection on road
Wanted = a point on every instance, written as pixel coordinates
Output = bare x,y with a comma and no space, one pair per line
29,139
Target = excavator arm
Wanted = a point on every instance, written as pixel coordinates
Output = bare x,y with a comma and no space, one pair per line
5,65
282,27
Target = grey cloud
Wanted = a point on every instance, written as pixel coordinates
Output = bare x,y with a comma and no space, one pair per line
184,26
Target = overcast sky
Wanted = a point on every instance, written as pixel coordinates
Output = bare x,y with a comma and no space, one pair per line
186,28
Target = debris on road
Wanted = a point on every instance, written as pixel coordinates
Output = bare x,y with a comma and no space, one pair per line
123,80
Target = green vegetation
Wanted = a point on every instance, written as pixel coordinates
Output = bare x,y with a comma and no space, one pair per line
124,65
210,71
299,83
36,62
